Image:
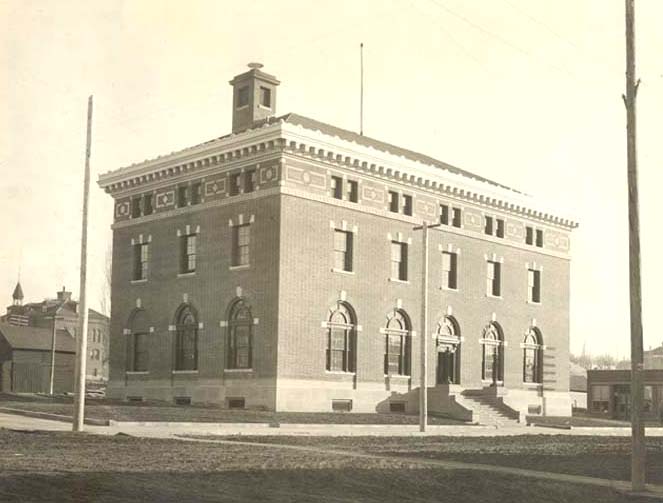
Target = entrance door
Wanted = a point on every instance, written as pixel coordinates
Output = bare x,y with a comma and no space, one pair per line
446,367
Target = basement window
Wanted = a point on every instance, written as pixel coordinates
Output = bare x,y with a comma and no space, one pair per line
341,405
396,406
236,403
182,400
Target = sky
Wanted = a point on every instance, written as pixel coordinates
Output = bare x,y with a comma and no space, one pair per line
527,92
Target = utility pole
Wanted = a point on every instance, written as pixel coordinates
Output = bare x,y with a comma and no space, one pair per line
423,380
361,90
53,339
81,353
637,391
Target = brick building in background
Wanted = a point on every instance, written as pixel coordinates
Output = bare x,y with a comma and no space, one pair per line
277,267
65,310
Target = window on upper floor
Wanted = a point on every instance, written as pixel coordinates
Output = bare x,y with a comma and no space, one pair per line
407,205
539,238
494,278
182,196
353,191
534,286
337,187
196,192
141,258
241,238
135,207
148,207
187,253
456,220
393,201
249,180
529,235
399,261
444,214
343,248
450,270
493,226
234,183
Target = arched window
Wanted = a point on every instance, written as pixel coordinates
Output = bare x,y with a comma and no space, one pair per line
397,344
492,368
341,339
137,342
240,336
448,351
532,356
186,340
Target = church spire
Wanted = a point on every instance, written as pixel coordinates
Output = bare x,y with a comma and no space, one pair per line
17,296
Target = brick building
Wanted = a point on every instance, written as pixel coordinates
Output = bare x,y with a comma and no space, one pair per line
277,267
65,310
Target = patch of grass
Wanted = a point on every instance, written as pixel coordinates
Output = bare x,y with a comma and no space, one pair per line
167,412
602,457
68,467
584,420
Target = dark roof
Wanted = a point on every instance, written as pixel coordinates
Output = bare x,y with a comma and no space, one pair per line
36,338
49,306
18,292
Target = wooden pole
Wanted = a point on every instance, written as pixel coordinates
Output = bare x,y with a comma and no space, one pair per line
423,395
637,391
53,337
81,354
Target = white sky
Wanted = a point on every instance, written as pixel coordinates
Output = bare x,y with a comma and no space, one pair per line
527,92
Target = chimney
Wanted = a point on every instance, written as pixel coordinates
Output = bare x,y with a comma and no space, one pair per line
64,296
254,97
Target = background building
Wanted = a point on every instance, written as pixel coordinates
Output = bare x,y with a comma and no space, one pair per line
65,310
278,267
25,359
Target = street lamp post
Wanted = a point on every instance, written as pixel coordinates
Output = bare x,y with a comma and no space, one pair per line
423,393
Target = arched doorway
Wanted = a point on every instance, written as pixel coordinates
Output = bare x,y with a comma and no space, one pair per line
448,351
492,340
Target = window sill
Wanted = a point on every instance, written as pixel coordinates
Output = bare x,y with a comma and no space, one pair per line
239,267
340,372
395,280
186,274
137,372
533,384
448,289
184,372
342,271
237,370
397,376
532,303
490,381
138,281
490,296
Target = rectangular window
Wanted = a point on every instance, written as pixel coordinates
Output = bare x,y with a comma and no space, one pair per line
240,244
494,280
188,253
265,97
243,96
140,352
182,193
141,260
338,350
341,405
135,207
393,355
499,232
353,191
539,238
343,250
337,187
249,181
393,201
444,214
148,208
534,285
450,270
234,186
407,205
600,398
399,261
456,217
488,226
196,192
